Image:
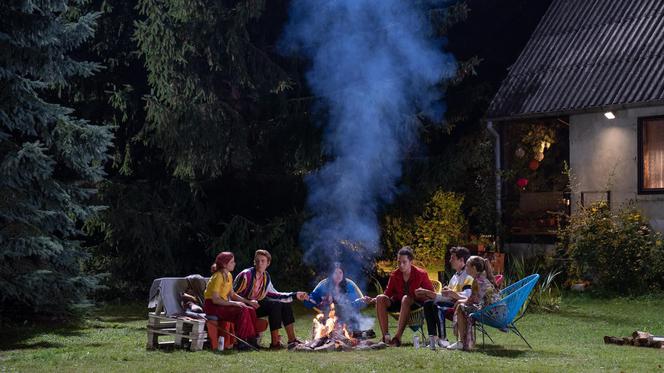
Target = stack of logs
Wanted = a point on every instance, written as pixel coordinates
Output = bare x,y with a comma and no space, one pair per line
638,338
337,341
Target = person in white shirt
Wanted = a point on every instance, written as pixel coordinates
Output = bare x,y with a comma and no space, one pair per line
459,288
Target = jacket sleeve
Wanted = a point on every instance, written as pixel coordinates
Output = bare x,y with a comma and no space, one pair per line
426,281
240,283
316,296
272,293
354,294
467,287
390,290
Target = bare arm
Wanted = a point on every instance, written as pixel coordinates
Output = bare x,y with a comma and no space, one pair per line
242,301
216,299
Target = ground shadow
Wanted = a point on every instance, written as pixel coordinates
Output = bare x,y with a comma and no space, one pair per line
14,338
122,319
500,351
27,346
18,336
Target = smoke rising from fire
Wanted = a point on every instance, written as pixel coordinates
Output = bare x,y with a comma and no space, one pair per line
374,65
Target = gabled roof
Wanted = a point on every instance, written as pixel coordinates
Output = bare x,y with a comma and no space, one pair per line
584,55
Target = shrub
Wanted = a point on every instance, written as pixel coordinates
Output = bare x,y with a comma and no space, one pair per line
440,223
617,250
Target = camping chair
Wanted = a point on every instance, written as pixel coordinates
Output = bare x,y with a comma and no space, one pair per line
446,311
416,318
503,314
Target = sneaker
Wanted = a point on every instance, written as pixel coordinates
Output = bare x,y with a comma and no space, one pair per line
443,343
387,339
455,346
432,342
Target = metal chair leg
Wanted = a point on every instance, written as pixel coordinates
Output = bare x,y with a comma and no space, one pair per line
517,332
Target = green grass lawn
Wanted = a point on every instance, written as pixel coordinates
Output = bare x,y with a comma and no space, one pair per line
114,340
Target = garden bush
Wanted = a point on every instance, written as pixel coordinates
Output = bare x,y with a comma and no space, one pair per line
616,250
440,223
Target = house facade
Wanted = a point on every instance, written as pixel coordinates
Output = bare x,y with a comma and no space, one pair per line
594,69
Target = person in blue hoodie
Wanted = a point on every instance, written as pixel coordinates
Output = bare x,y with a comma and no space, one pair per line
343,293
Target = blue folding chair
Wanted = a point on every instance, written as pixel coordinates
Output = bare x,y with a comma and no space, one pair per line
503,314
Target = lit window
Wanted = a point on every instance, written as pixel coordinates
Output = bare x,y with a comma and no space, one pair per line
651,155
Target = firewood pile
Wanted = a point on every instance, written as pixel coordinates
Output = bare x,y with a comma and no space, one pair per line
328,344
328,334
639,339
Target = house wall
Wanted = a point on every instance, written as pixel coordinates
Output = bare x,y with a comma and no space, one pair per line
603,157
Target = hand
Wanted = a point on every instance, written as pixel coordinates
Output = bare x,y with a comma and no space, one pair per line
424,293
253,304
450,294
239,304
368,300
300,295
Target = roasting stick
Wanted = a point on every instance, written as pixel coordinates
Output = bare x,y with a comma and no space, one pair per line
241,340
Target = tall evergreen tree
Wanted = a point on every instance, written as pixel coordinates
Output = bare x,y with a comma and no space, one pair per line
50,160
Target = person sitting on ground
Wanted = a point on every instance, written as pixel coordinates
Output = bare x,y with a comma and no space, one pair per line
255,284
341,291
484,292
399,296
459,288
223,302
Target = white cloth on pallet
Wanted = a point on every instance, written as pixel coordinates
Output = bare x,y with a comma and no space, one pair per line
165,292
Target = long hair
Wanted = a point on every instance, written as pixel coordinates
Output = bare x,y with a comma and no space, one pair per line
483,265
220,262
343,284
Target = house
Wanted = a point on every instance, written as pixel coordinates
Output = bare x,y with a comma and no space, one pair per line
588,91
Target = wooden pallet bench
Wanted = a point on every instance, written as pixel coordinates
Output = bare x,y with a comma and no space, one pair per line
189,331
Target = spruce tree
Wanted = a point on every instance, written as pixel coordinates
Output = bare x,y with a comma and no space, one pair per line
50,160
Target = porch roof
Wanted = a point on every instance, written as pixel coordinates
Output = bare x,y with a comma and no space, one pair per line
587,55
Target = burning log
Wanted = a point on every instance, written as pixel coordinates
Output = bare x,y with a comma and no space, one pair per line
302,348
328,334
330,345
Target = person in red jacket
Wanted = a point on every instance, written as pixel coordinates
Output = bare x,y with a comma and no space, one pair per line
400,295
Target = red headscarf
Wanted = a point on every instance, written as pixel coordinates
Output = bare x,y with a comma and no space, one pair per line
222,259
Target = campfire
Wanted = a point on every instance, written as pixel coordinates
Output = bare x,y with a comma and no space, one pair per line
328,334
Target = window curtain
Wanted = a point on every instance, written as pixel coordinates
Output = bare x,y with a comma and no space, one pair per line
653,153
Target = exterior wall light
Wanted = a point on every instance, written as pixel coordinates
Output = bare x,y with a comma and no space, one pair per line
609,115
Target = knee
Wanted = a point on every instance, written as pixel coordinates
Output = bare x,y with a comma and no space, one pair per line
406,299
382,300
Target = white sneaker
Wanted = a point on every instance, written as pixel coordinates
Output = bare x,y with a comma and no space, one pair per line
455,346
443,343
432,343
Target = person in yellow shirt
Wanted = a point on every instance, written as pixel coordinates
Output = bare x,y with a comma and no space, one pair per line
223,302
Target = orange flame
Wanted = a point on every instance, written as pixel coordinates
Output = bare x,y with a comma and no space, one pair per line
323,327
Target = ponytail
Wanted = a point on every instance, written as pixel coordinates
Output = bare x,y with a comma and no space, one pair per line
489,272
483,265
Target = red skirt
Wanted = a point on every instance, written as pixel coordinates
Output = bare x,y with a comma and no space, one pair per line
244,318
